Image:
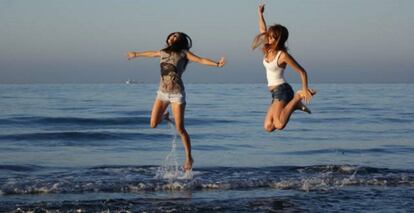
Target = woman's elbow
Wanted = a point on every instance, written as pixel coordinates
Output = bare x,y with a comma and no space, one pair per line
302,72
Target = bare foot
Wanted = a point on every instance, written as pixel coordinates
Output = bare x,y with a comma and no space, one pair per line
188,164
312,91
302,107
300,93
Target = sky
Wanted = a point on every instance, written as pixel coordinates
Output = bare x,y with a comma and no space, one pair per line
78,41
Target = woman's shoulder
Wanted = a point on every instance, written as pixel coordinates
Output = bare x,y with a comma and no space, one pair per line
162,51
184,52
283,54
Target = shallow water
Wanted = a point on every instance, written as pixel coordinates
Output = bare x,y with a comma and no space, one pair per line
89,147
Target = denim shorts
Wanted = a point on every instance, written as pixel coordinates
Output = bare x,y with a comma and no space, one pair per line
282,92
178,98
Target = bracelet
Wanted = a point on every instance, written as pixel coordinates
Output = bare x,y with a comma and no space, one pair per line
135,54
218,64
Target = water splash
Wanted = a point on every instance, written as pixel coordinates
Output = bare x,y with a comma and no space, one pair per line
169,168
351,179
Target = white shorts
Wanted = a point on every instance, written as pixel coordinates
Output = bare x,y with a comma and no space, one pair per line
178,98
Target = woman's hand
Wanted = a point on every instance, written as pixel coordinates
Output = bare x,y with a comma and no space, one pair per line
131,55
306,94
260,9
222,62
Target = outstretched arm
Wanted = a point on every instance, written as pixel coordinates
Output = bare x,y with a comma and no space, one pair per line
148,54
205,61
262,22
289,60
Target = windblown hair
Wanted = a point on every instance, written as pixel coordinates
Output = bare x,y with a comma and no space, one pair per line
279,32
183,42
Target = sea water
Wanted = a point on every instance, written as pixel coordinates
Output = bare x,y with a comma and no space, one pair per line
89,148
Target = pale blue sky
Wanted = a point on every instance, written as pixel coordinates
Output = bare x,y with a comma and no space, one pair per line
79,41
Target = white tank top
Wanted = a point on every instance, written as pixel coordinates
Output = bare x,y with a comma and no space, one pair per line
274,72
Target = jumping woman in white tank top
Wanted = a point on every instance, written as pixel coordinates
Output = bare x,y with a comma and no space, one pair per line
276,58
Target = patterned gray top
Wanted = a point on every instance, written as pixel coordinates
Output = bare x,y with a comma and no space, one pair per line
172,67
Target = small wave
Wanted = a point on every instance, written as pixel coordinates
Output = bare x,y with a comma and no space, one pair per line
20,168
210,147
176,204
195,121
352,151
138,179
332,120
345,151
132,113
75,121
132,120
79,136
397,120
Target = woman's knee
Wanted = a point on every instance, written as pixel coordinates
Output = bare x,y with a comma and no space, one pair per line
279,125
153,123
269,127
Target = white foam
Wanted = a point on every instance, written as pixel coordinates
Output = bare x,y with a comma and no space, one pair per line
169,168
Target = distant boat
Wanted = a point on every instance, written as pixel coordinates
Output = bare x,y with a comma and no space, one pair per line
129,81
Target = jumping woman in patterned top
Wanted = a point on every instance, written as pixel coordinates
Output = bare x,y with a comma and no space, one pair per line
173,61
276,58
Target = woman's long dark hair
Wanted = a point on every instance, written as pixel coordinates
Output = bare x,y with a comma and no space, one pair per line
183,42
279,32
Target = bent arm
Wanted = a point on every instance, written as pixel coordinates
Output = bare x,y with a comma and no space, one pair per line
289,60
262,22
147,54
205,61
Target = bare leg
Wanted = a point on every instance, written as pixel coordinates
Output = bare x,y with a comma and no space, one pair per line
178,111
268,121
273,111
281,119
157,112
279,112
